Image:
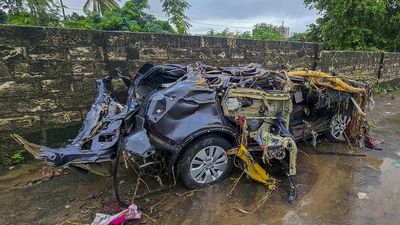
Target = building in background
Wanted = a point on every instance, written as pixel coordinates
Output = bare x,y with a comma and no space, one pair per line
283,30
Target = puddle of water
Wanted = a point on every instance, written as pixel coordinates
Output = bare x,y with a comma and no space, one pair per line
381,184
20,174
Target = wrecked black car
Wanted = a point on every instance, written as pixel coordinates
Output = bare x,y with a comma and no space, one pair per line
200,119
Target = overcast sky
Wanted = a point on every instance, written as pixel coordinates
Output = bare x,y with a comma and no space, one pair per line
237,15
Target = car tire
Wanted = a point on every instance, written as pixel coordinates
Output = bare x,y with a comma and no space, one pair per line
204,162
337,128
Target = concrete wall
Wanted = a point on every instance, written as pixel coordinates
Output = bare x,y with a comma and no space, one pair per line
350,62
390,66
47,75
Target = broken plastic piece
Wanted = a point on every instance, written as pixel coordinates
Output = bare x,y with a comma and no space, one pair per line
138,142
362,195
254,170
131,213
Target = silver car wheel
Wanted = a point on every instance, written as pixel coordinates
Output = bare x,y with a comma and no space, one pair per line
338,126
208,164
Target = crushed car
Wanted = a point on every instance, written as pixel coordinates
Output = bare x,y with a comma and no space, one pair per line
200,119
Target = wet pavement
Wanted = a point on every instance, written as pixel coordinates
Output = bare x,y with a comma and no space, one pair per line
331,190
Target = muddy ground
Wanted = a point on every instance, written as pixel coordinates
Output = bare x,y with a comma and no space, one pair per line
332,190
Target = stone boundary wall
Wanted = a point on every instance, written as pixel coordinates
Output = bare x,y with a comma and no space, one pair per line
350,62
47,75
390,66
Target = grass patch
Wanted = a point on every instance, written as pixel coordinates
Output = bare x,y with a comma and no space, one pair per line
18,157
377,90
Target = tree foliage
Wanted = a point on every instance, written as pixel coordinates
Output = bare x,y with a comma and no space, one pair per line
259,33
313,34
391,26
267,33
175,10
302,37
130,17
359,25
30,12
99,6
228,34
224,33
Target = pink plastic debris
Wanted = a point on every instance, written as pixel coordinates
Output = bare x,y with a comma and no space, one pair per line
130,213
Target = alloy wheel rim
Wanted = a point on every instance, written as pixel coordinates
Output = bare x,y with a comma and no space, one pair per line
208,164
338,126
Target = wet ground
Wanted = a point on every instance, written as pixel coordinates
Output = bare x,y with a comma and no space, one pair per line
332,190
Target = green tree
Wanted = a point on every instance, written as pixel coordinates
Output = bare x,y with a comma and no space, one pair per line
313,34
391,26
244,35
228,34
266,33
299,37
99,6
75,20
175,10
130,17
259,33
224,33
32,12
356,25
100,14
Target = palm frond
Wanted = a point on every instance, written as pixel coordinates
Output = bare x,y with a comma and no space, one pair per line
100,6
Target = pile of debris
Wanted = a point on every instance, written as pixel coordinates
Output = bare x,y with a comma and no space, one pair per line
171,110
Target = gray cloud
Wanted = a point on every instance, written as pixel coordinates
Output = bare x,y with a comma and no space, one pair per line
247,9
237,15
